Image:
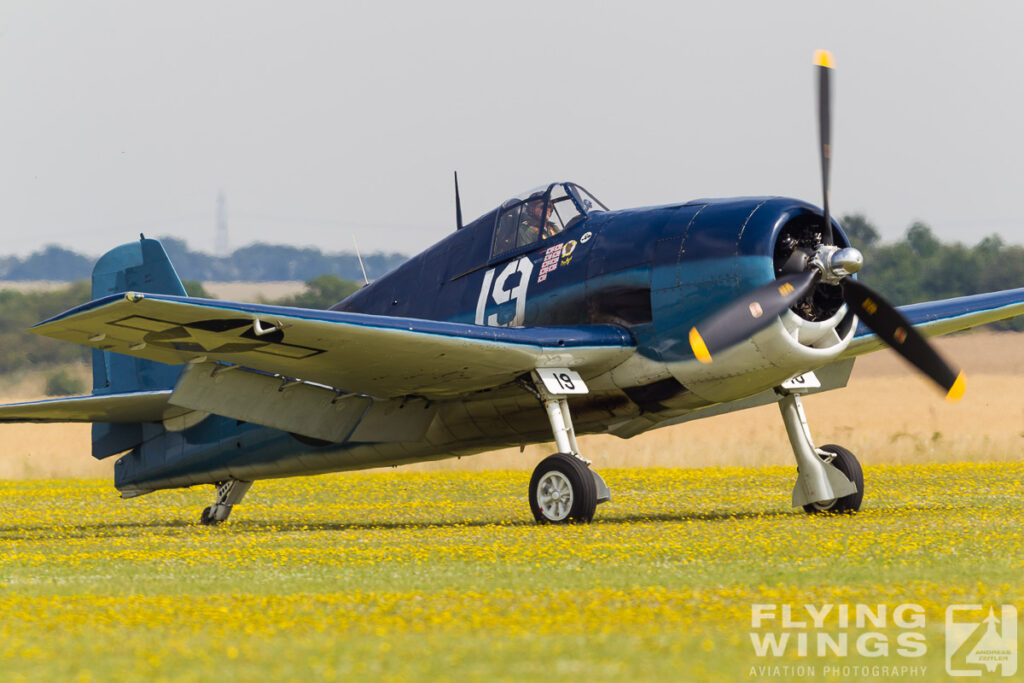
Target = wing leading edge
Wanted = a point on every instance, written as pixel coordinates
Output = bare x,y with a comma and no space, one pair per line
375,355
934,318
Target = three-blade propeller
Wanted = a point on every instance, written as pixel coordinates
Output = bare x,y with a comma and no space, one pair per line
757,309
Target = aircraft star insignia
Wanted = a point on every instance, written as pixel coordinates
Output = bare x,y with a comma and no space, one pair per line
210,336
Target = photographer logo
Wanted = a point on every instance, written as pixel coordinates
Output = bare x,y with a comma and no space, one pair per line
980,640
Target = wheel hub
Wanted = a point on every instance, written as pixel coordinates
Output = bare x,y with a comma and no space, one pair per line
555,496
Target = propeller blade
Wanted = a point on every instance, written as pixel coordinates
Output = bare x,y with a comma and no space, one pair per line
823,60
885,321
748,314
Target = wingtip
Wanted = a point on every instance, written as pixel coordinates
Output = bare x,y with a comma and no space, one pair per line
956,392
700,349
823,58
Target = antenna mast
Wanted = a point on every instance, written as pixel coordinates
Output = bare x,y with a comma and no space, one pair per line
365,279
458,204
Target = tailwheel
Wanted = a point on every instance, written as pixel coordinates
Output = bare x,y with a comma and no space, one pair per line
563,490
845,462
207,518
229,494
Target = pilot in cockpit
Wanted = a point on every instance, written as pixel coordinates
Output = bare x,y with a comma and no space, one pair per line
535,223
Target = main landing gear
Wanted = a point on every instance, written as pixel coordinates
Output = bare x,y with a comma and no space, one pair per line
563,488
229,494
829,479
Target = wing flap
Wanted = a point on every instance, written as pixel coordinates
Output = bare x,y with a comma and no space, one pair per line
310,410
375,355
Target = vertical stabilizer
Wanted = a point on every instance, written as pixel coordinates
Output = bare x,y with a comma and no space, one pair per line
140,266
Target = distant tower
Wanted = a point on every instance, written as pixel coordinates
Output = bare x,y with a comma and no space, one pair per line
222,225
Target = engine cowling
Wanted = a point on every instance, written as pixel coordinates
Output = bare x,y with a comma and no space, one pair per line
728,248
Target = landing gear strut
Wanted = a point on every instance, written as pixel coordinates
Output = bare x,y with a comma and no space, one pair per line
563,488
229,494
829,479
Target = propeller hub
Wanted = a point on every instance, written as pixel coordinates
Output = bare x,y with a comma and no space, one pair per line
834,263
846,261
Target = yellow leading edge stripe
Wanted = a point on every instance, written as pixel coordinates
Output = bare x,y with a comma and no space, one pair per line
956,392
823,58
700,349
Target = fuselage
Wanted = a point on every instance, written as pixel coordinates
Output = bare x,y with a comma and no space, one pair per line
655,271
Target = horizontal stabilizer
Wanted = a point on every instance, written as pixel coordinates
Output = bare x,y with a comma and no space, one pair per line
376,355
139,406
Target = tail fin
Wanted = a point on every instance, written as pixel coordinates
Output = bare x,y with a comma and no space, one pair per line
140,266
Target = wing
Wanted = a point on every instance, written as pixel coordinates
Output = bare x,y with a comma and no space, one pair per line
374,355
934,318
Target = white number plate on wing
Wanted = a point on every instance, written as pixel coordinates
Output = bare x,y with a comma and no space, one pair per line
560,381
808,380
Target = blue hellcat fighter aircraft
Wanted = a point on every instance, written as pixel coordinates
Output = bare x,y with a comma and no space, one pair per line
551,315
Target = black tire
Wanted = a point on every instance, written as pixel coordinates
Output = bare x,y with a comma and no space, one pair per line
845,462
579,499
206,519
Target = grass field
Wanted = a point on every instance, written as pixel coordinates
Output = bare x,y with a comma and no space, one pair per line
433,573
444,576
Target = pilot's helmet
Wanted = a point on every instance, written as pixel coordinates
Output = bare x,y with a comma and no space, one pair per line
537,199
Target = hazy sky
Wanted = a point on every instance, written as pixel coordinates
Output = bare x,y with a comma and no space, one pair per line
324,119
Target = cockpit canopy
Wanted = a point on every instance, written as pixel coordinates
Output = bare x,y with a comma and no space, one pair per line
542,213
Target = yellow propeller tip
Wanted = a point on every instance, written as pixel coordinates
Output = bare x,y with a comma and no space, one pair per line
823,58
956,392
700,349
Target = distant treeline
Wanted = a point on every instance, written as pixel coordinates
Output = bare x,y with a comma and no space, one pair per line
919,267
255,263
